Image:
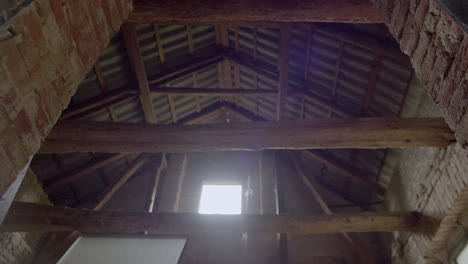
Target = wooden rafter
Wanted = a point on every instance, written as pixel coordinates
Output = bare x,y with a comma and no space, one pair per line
336,77
214,92
312,184
224,67
232,11
185,69
97,103
350,172
151,201
55,246
370,133
309,96
27,217
283,63
82,170
372,82
136,61
159,45
109,191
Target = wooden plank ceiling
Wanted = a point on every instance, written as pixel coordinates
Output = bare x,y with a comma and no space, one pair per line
190,74
325,86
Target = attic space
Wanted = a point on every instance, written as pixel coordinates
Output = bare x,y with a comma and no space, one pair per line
205,132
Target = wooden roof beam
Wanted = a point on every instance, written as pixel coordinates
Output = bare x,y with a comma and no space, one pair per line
283,66
81,171
309,96
312,184
25,217
136,62
214,92
352,173
367,133
232,11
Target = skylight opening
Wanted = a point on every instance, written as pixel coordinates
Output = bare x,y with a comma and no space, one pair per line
221,199
462,257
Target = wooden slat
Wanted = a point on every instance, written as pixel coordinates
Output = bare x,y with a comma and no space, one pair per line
150,202
130,38
231,11
81,171
212,92
309,96
55,246
368,133
312,184
283,63
97,103
24,217
347,171
185,69
108,192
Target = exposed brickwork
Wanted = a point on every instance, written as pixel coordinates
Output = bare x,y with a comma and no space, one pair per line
21,247
427,180
438,48
53,46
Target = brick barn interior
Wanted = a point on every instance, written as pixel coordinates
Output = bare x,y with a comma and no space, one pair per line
207,132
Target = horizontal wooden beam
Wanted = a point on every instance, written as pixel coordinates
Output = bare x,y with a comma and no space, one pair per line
351,172
213,92
82,170
370,133
232,11
97,103
26,217
184,69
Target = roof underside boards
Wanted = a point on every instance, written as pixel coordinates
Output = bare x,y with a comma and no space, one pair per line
354,68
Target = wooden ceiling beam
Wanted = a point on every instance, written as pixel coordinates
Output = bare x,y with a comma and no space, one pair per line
367,133
214,92
352,173
309,96
185,69
25,217
55,246
81,171
312,184
283,66
130,38
109,191
229,11
97,103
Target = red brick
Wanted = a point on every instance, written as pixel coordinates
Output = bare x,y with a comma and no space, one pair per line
34,27
420,52
399,16
421,13
112,14
410,37
426,67
61,11
51,103
458,69
16,66
458,104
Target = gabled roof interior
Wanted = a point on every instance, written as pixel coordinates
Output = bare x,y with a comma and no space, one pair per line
356,69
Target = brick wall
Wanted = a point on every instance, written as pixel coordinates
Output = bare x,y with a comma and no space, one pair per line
438,48
427,180
21,247
45,52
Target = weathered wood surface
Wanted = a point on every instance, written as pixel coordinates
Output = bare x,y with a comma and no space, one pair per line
368,133
238,11
24,217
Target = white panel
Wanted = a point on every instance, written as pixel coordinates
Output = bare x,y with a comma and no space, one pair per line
124,250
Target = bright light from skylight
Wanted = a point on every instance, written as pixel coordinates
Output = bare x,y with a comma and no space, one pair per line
462,257
221,199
